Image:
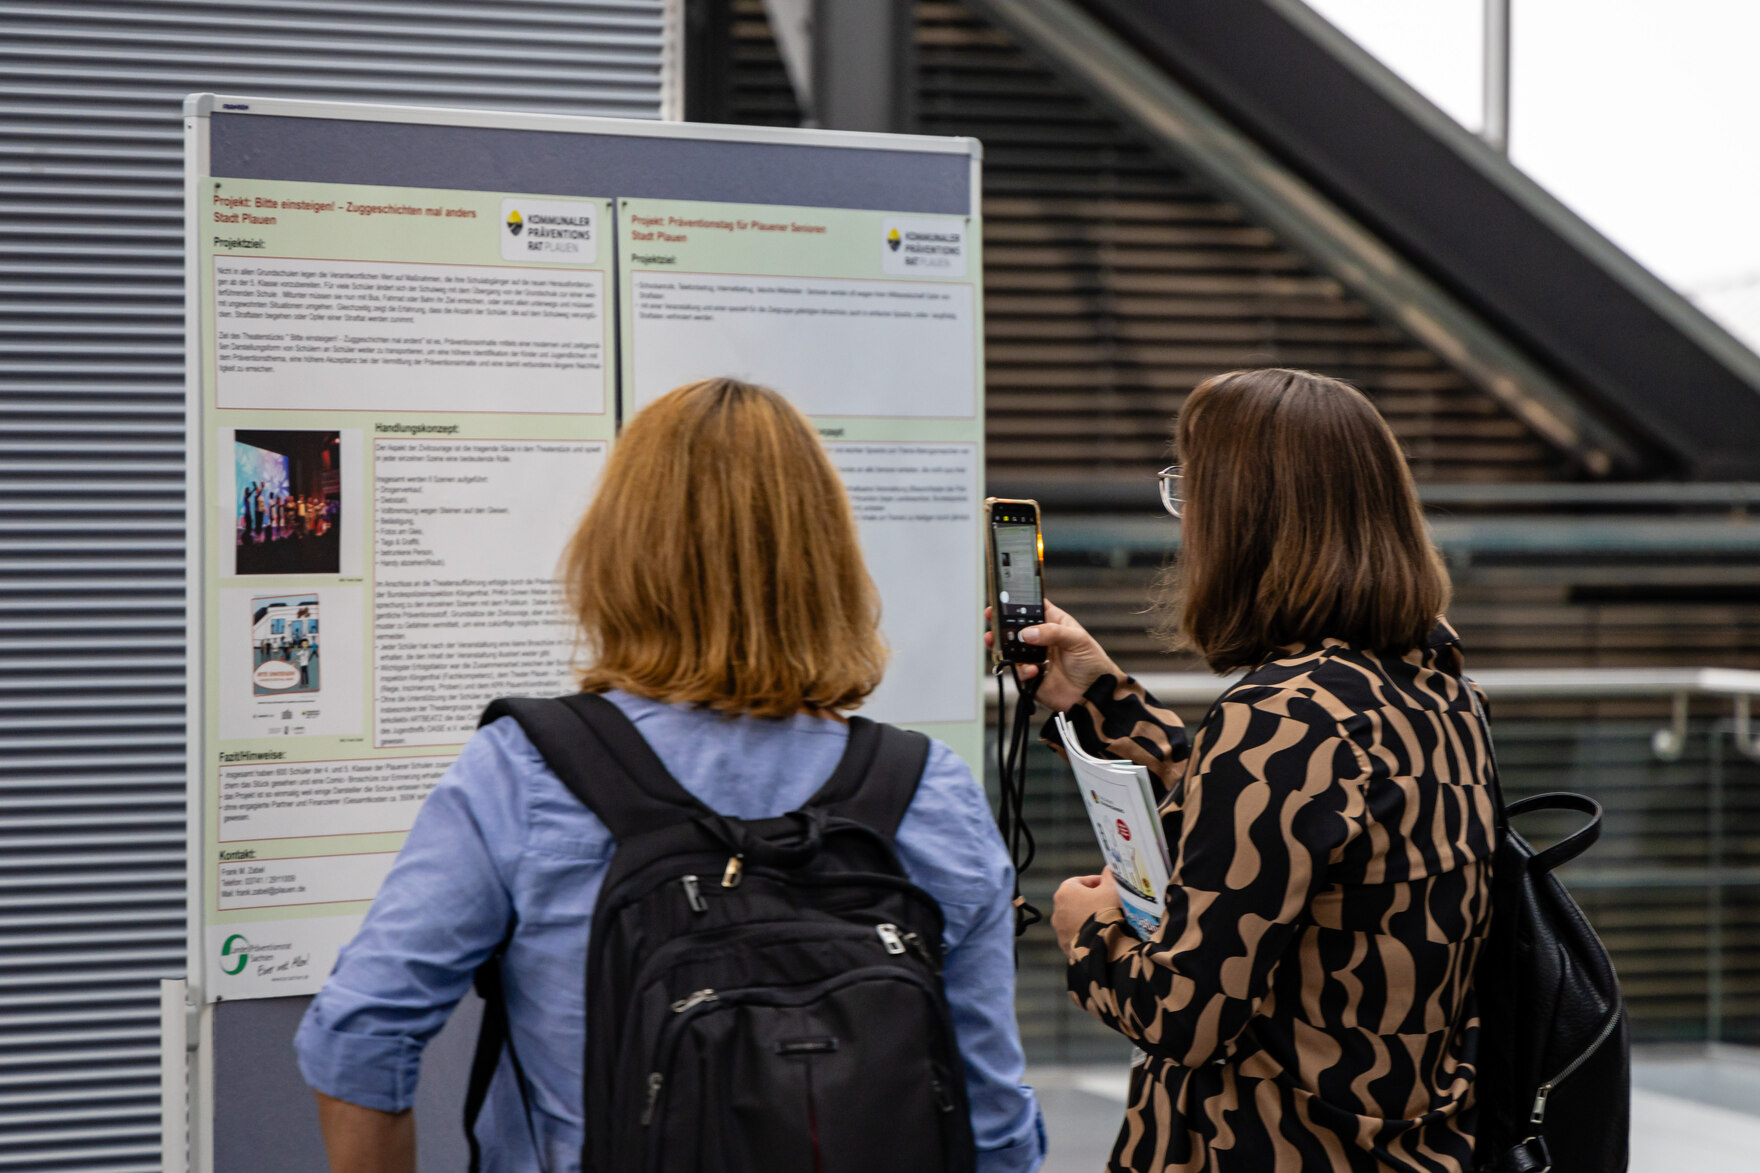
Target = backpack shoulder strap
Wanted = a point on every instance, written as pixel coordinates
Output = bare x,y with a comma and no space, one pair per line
602,759
494,1036
877,777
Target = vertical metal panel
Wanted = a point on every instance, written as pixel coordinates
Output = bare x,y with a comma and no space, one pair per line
92,736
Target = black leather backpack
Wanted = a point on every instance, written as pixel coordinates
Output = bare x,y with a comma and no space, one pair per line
760,995
1554,1075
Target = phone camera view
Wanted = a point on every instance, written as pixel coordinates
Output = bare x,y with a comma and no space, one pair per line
1017,566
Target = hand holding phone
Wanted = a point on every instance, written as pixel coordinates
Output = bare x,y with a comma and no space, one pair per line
1075,660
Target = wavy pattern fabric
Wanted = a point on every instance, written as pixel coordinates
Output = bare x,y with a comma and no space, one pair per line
1307,1002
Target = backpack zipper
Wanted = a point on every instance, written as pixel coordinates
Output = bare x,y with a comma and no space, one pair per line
642,882
696,999
898,940
1538,1113
916,942
655,1079
687,1009
698,942
693,893
944,1101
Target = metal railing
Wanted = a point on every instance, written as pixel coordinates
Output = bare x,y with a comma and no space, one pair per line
1739,686
1673,886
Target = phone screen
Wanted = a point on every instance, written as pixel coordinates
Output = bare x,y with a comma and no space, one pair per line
1017,565
1017,590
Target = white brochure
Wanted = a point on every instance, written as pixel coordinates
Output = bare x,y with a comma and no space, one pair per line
1121,806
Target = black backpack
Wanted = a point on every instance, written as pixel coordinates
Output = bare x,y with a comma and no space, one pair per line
761,995
1554,1073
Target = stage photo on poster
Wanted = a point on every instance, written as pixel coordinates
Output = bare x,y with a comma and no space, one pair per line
284,645
288,511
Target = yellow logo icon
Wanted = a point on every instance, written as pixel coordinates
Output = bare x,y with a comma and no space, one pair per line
893,240
514,223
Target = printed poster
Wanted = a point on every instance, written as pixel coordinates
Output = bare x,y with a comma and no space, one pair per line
871,324
406,402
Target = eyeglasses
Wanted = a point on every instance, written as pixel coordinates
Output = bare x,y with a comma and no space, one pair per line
1172,489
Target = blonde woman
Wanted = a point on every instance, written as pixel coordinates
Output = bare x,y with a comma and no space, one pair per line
722,596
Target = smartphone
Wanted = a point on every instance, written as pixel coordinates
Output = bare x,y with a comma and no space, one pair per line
1017,578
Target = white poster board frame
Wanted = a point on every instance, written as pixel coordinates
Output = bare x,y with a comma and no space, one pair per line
630,141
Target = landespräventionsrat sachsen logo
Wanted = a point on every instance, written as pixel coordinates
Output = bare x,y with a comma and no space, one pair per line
894,240
234,955
514,222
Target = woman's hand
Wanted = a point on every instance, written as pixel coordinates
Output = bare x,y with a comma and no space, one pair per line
1075,659
1079,898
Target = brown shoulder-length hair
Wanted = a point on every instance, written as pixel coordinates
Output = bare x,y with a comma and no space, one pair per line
718,564
1301,523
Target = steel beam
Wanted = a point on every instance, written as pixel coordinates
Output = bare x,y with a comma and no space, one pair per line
863,72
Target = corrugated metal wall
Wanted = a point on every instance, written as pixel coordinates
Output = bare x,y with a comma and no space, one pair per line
91,480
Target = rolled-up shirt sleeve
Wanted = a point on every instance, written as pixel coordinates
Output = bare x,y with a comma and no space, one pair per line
442,911
950,847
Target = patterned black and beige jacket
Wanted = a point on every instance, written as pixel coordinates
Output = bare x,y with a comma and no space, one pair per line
1306,1003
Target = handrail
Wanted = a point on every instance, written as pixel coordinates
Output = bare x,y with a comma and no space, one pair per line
1139,494
1700,534
1526,683
1739,684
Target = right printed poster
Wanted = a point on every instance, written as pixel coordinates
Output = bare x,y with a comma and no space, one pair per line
872,324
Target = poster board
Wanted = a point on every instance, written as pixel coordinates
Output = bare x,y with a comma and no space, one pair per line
412,339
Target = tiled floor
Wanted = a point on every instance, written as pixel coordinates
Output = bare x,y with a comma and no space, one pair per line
1693,1111
1082,1107
1696,1110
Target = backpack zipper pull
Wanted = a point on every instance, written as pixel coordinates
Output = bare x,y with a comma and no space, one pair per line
696,999
654,1081
693,894
916,942
736,869
943,1100
889,936
1538,1115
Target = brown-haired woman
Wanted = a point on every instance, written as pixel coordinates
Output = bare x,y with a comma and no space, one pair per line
726,610
1306,1003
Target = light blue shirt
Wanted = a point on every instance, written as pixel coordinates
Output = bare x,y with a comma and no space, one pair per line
501,837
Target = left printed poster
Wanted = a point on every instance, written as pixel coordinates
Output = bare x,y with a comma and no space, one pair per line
404,406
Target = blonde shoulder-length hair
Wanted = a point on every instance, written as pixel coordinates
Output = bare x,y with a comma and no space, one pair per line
718,565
